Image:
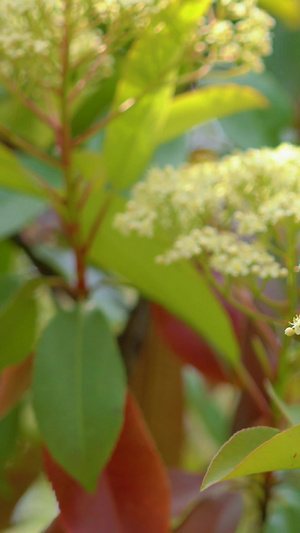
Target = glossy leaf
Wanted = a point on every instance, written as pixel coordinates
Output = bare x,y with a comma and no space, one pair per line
255,450
149,76
178,287
16,211
79,392
190,109
132,494
18,318
287,10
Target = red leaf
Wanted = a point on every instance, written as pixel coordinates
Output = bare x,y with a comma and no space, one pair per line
185,489
55,527
188,345
15,381
132,494
219,513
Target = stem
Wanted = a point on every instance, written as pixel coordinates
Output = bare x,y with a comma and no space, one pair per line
252,388
242,373
283,368
256,315
263,502
65,141
97,223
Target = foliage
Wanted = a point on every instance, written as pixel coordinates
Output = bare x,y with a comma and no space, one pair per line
93,93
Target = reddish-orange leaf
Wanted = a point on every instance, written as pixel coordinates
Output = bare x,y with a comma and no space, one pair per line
132,494
15,381
55,527
188,345
157,384
219,513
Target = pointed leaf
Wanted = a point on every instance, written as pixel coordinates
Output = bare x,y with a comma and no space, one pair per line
132,494
79,391
252,451
208,103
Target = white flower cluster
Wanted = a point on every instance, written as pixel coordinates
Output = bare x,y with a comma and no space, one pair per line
238,33
32,33
227,213
31,37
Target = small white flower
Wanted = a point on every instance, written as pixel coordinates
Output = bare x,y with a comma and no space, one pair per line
295,327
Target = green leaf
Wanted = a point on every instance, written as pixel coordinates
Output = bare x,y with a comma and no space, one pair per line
178,287
79,392
23,122
283,510
17,211
18,316
14,176
7,256
253,451
149,76
287,10
260,127
204,407
193,108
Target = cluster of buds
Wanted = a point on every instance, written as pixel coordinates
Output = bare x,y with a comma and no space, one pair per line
235,32
34,32
231,215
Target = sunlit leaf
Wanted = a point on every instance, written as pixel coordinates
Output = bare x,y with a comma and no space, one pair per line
193,108
255,450
149,76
